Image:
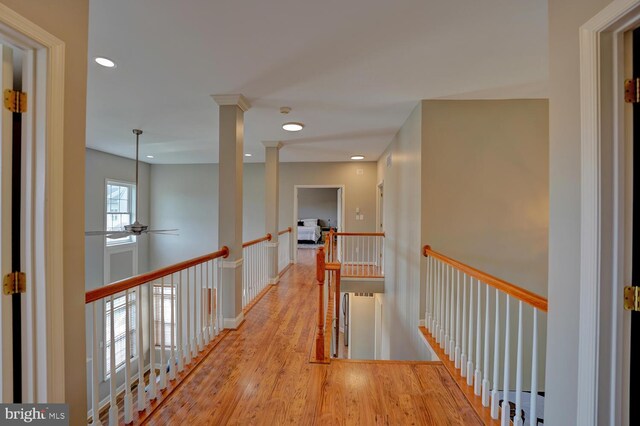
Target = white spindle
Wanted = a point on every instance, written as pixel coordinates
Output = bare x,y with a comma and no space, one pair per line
199,299
194,335
463,351
128,398
163,361
506,410
457,348
113,405
470,342
486,387
187,320
452,343
517,420
172,355
477,389
442,304
427,313
95,371
496,363
533,402
180,323
152,348
446,309
142,397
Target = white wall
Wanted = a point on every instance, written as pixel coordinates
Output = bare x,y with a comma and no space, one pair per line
361,326
320,203
402,217
565,17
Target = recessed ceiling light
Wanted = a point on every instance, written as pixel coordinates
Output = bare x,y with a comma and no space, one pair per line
105,62
149,156
247,155
292,126
357,157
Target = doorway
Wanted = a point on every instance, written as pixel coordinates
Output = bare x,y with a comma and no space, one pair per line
316,210
31,124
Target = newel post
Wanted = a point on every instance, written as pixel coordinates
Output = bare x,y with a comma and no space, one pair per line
320,272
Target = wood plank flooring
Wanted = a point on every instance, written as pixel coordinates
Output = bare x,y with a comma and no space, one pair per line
260,374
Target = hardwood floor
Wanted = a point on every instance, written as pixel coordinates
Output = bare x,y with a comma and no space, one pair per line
260,374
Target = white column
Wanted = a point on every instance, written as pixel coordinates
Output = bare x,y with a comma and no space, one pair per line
271,205
231,141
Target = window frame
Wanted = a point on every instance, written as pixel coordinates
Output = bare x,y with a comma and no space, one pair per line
131,239
167,315
134,330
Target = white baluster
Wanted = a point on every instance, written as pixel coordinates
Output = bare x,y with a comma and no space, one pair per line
496,361
199,298
187,319
113,405
142,397
470,342
446,309
194,335
486,386
207,301
95,371
505,419
180,323
517,420
452,343
533,402
172,355
163,361
463,351
477,389
442,304
152,348
427,313
128,398
457,348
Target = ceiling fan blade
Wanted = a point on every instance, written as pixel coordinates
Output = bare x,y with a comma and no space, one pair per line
91,233
118,235
162,230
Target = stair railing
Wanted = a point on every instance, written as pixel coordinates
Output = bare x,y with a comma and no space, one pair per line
469,320
255,268
361,254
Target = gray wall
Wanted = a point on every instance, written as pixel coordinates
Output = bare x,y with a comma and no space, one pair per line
100,167
320,203
565,18
402,215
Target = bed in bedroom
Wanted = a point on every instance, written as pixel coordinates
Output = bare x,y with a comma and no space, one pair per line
309,231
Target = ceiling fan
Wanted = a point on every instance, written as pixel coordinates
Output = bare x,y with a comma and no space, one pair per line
136,228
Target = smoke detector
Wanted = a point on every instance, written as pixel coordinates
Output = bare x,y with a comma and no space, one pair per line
285,110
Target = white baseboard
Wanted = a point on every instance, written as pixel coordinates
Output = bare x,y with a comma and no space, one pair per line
234,323
421,323
274,280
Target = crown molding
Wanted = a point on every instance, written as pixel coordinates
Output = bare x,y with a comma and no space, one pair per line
272,144
237,100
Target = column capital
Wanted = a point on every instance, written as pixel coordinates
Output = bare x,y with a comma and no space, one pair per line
237,100
272,144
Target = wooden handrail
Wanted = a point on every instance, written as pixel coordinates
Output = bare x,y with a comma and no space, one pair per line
284,231
519,293
128,283
359,234
259,240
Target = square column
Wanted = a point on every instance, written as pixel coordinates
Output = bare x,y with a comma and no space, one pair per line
231,141
272,203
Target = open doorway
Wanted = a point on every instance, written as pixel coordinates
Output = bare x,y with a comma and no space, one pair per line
317,209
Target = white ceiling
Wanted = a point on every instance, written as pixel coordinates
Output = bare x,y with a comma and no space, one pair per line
351,70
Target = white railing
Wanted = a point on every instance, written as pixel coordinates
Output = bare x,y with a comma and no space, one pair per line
470,316
284,249
255,268
174,311
361,254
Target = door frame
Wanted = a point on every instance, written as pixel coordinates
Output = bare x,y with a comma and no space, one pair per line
379,206
603,205
43,138
294,224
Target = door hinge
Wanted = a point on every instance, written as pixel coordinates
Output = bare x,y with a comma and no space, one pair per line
15,101
14,283
632,298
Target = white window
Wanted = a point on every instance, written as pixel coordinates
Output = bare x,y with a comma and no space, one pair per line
120,209
162,299
119,317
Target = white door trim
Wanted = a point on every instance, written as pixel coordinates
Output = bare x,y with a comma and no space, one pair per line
45,277
294,225
602,213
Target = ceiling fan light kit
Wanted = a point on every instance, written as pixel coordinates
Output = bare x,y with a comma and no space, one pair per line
136,228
